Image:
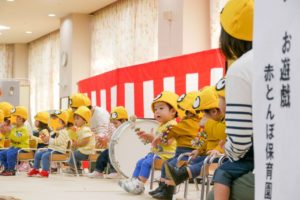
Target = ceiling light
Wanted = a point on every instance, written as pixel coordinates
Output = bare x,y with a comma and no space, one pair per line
51,15
10,0
28,32
4,27
0,33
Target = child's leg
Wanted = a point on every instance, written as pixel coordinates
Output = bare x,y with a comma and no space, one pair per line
146,168
78,158
3,158
221,192
138,168
37,159
12,158
102,161
45,157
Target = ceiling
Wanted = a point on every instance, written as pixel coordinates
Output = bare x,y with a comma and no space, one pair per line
32,15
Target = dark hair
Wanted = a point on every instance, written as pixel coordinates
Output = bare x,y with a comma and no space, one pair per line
43,126
232,47
171,107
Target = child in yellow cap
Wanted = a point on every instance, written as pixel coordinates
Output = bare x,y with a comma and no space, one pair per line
214,127
164,107
19,137
184,132
43,130
58,143
85,143
118,116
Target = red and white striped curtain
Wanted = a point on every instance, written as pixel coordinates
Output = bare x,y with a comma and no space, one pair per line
135,87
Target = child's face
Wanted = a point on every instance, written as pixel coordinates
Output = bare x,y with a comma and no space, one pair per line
79,121
116,123
162,112
19,121
36,123
214,114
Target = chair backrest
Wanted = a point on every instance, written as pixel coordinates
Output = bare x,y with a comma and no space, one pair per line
33,143
6,143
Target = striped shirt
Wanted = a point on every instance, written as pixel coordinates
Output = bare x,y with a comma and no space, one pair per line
60,141
238,118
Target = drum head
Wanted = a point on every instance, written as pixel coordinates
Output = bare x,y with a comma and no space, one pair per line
125,147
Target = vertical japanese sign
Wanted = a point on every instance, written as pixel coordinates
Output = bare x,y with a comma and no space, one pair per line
276,99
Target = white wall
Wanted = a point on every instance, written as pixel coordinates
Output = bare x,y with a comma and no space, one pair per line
20,61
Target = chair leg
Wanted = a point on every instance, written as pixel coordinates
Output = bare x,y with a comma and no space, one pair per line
186,188
75,165
196,184
152,176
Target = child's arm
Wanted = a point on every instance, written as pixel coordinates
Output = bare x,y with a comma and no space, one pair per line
83,142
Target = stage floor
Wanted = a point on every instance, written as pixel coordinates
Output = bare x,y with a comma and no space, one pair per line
61,187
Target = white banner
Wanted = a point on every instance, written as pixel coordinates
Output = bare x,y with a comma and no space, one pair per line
276,101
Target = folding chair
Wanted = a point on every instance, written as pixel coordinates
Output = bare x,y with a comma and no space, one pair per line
27,154
157,165
208,170
63,158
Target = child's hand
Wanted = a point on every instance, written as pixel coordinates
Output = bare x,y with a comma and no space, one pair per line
194,154
102,141
213,153
203,121
156,141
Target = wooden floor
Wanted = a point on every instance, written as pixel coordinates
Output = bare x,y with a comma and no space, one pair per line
61,187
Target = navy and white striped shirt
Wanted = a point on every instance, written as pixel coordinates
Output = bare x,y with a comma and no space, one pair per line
238,118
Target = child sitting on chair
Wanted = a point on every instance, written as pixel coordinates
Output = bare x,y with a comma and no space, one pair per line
164,107
19,137
43,130
117,117
184,132
85,143
57,144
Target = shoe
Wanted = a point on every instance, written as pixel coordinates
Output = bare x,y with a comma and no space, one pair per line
33,172
8,173
95,174
175,174
44,174
166,193
160,187
123,181
113,176
135,186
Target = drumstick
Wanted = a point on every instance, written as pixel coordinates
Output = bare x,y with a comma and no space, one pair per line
133,118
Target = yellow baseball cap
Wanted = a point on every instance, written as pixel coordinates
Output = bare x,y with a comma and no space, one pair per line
61,114
185,102
167,97
207,99
237,19
118,113
84,112
220,87
42,117
20,111
1,116
6,107
79,99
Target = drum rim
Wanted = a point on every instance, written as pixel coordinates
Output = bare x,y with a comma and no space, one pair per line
114,137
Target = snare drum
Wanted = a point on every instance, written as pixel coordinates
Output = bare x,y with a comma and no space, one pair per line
125,147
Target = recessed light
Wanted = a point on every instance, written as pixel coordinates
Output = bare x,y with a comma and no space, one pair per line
4,27
10,0
51,15
28,32
0,33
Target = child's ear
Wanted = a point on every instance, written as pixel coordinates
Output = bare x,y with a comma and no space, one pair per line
173,111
